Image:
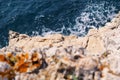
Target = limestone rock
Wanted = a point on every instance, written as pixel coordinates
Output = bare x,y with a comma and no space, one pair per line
4,67
95,45
95,56
112,63
13,34
14,37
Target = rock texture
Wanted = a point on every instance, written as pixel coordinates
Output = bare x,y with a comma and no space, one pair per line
57,57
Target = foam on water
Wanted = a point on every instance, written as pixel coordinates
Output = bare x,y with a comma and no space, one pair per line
93,16
45,17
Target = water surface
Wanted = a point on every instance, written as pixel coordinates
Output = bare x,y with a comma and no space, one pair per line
41,17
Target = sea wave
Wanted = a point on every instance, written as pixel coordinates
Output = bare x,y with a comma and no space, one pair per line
93,16
43,17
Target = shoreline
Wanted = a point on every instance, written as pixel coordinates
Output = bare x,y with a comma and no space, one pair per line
56,57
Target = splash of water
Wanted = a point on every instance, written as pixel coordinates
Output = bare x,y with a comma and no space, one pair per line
93,16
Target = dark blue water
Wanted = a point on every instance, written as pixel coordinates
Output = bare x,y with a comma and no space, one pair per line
41,17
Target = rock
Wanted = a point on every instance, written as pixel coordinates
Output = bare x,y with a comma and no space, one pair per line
111,40
95,45
92,32
95,56
51,52
56,38
112,63
87,63
6,72
13,35
23,36
2,58
107,76
4,67
27,62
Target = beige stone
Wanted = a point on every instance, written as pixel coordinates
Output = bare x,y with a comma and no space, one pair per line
95,45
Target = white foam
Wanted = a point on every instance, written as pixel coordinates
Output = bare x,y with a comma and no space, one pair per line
94,15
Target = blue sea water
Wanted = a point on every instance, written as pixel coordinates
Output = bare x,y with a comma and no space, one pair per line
41,17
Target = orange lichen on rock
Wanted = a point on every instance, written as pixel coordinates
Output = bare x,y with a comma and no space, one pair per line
2,57
34,57
23,67
22,56
9,55
18,64
11,59
9,74
36,61
24,64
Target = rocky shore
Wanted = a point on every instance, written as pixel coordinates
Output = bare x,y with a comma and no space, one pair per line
57,57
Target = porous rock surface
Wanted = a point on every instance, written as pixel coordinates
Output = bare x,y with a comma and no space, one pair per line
57,57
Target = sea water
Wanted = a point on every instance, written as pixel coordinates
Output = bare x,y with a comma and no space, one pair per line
42,17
